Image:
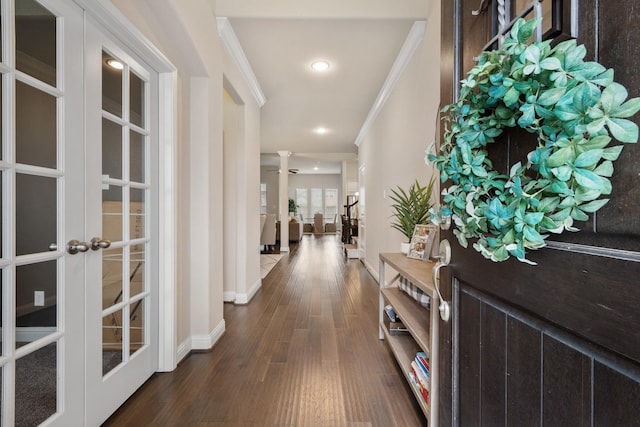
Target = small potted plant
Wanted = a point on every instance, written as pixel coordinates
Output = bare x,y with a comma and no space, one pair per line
293,208
411,207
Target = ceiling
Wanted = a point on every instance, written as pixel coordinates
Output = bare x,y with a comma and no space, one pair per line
361,39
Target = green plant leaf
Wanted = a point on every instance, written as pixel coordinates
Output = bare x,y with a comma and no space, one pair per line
623,130
627,109
533,218
588,158
528,115
605,169
587,179
551,96
593,206
612,153
550,63
561,157
612,97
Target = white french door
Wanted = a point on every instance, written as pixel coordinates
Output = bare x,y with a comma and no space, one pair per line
78,253
121,302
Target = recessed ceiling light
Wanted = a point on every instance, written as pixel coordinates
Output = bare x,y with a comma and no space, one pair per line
321,130
115,64
320,65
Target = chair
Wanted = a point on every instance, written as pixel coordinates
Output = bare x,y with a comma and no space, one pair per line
332,227
306,226
318,223
268,235
263,218
295,230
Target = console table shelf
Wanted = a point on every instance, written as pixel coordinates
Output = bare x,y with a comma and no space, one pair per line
421,322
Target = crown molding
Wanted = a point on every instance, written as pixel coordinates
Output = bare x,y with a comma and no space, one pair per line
231,43
411,43
111,18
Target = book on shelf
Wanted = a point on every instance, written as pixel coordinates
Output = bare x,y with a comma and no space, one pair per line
422,379
388,309
422,393
423,361
395,328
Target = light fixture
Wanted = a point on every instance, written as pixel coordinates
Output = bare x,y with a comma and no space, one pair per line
320,66
321,130
315,168
115,64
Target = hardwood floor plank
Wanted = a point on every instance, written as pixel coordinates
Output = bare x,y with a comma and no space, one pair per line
304,352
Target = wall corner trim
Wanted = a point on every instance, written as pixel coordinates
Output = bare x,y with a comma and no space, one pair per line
232,44
206,342
245,298
411,43
229,296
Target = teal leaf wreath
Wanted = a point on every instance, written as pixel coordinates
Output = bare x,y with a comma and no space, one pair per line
573,107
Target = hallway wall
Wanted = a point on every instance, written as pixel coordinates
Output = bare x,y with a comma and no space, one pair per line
393,150
183,32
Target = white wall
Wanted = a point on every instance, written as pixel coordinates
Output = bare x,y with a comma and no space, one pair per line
392,152
230,198
183,31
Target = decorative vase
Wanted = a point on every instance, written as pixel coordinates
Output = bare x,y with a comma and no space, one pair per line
404,248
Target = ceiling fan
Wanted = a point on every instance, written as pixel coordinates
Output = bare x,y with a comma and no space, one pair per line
292,171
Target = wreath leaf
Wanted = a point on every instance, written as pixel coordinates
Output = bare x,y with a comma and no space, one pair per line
573,107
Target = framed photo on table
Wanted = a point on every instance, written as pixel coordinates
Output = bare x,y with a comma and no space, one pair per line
422,241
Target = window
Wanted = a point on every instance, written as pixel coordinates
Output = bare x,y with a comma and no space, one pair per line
316,201
313,200
301,201
330,203
263,198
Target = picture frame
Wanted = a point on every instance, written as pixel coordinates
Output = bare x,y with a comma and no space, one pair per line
422,241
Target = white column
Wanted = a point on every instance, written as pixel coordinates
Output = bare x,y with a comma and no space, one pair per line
283,205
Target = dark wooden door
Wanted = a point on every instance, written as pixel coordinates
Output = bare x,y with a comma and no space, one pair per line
557,344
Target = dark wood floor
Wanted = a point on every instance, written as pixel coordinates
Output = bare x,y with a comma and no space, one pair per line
304,352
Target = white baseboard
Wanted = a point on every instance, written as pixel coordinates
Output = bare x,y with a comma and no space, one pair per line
229,296
371,270
284,248
245,298
205,342
183,350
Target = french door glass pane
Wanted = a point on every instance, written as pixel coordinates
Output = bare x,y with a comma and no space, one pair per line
36,41
136,268
136,157
36,375
124,196
136,326
2,309
111,149
111,341
2,144
111,277
112,213
136,100
31,280
35,127
2,225
136,212
111,85
36,216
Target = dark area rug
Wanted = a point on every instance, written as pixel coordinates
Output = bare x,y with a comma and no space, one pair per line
36,384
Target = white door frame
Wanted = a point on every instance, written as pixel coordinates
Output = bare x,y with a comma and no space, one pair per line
120,29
